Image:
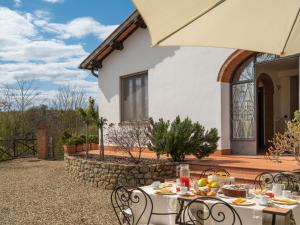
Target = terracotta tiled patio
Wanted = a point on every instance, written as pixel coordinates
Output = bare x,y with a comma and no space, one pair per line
244,168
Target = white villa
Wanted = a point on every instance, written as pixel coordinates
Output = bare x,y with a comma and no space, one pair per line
247,96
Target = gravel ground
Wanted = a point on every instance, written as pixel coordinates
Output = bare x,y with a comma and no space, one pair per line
34,192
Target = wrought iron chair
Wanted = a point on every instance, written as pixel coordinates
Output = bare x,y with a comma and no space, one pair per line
211,209
263,180
289,179
132,205
210,171
121,180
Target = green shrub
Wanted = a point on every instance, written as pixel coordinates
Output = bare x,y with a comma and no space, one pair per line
178,139
157,133
181,138
71,141
94,139
79,140
3,156
66,135
205,142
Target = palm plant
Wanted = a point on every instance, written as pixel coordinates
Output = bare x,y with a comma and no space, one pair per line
88,116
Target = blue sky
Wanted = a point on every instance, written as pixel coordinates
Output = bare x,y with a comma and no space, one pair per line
45,40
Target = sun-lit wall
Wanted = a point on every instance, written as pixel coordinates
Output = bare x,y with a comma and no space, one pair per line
181,81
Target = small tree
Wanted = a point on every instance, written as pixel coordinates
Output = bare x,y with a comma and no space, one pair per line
88,116
129,137
101,122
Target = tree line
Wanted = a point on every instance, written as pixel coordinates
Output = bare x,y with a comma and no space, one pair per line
23,107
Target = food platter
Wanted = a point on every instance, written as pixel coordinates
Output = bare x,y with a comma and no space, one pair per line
246,203
165,192
242,202
284,201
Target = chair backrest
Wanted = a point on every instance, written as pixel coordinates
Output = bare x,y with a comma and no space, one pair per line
131,205
263,180
211,209
122,180
210,171
289,179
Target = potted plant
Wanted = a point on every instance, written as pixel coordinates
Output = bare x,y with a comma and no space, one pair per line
79,143
101,123
94,142
88,116
70,145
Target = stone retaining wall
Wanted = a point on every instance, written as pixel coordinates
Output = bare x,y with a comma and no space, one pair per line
107,174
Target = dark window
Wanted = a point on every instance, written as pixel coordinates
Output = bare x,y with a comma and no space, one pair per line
134,97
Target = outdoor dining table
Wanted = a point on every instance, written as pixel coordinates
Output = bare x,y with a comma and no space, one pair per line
255,214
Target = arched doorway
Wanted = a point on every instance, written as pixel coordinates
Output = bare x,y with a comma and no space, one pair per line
264,91
265,114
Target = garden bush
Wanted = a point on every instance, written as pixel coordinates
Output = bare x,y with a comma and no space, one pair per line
69,139
3,155
157,134
181,138
66,135
94,139
129,137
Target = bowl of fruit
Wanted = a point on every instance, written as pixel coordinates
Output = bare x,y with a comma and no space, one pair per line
207,187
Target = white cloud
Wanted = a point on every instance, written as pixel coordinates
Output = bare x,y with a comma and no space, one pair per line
14,24
25,52
53,1
45,51
78,28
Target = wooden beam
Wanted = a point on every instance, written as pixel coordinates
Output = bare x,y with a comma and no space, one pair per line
96,64
140,22
116,45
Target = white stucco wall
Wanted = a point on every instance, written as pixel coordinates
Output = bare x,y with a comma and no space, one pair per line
181,81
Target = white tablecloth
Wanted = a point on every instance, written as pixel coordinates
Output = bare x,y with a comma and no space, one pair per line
250,215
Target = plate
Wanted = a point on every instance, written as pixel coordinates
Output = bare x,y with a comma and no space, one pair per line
186,194
164,193
285,202
246,203
268,204
164,185
221,195
157,188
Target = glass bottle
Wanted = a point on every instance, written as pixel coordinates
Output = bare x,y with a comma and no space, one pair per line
184,175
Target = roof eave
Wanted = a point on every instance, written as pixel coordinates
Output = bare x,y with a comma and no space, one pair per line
112,42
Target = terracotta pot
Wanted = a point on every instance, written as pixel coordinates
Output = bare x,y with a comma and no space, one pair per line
79,148
69,149
94,146
84,147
